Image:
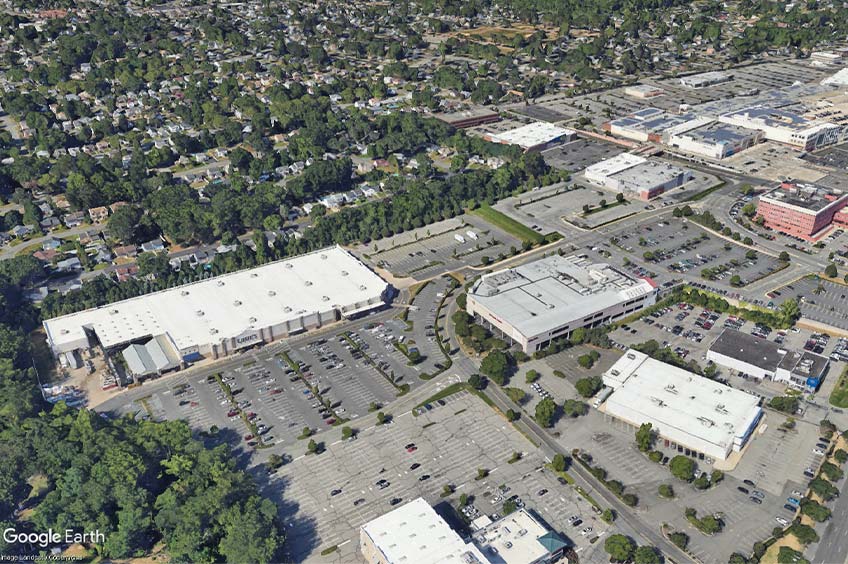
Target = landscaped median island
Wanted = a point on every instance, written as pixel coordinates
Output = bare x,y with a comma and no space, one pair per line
513,227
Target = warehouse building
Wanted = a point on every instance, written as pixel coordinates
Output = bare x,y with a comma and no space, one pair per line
647,124
705,79
471,117
785,127
643,91
801,210
766,360
637,176
415,534
708,138
222,315
695,412
537,302
534,137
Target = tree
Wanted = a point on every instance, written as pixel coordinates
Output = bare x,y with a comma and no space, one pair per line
496,366
823,489
619,547
481,473
788,555
786,404
619,197
532,376
312,447
608,515
574,408
559,463
477,382
841,456
830,271
737,558
381,418
804,533
783,256
666,491
645,437
831,471
124,222
815,510
682,468
347,432
680,539
588,387
646,555
512,415
545,412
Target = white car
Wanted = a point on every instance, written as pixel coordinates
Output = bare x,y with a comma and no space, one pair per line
818,452
586,531
782,521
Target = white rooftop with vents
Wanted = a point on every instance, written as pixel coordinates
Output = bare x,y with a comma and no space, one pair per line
692,410
227,306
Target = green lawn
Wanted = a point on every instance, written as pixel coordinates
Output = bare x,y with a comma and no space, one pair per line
839,395
508,224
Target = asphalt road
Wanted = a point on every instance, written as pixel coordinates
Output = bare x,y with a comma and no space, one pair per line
833,549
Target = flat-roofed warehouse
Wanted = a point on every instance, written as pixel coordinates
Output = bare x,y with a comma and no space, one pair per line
549,298
221,315
693,411
534,136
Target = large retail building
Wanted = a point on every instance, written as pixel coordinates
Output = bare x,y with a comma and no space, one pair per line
219,316
697,413
549,298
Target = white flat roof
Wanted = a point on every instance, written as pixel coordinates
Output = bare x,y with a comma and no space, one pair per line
415,534
678,403
226,306
548,293
532,134
513,539
614,165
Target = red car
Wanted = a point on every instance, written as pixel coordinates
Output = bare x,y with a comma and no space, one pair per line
251,415
232,413
248,437
411,449
329,421
276,391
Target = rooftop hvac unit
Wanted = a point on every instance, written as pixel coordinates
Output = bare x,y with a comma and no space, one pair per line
64,332
184,293
287,309
631,356
344,272
288,265
252,320
614,372
113,311
308,283
671,389
237,303
199,313
323,257
220,282
254,274
213,331
363,287
325,298
706,421
272,293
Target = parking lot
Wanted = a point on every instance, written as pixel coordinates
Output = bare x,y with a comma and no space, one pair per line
678,248
441,248
422,322
819,299
577,155
328,496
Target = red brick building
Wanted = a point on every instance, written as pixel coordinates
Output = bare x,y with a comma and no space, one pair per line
801,210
